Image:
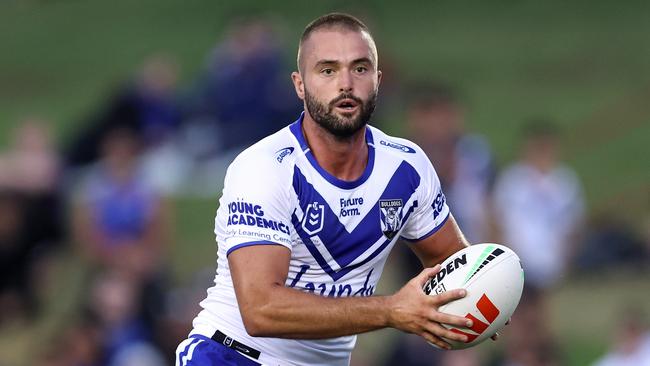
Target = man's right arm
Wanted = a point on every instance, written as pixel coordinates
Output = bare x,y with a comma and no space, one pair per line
270,309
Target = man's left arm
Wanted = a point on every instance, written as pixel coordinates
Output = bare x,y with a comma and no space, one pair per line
435,248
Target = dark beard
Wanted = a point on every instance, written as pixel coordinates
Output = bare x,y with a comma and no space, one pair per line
337,126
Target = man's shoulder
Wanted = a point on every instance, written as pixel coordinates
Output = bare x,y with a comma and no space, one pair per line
275,148
400,147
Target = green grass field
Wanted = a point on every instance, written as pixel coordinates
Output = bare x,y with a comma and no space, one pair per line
585,64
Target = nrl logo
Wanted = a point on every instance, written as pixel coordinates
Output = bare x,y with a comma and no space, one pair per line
390,216
312,223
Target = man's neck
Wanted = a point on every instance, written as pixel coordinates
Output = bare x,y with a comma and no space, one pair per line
344,158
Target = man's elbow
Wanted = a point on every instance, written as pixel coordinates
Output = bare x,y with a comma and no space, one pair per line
258,310
256,323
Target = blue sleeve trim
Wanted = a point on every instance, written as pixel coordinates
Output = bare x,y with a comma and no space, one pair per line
433,231
251,243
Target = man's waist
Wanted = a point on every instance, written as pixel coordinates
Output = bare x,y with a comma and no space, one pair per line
279,351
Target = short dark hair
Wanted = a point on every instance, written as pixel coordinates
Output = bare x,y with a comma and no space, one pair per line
333,20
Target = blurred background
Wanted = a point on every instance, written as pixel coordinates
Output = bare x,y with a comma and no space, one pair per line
118,119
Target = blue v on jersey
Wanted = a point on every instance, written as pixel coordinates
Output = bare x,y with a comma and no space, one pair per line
339,232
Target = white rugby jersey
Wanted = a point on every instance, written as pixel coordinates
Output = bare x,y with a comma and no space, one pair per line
339,232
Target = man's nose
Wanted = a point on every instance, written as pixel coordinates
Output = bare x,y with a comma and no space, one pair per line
345,82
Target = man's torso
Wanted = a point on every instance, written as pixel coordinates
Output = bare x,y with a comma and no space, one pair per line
339,232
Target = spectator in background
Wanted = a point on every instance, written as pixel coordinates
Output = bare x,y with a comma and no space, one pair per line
242,97
146,105
540,207
631,343
154,95
110,329
539,203
122,224
463,160
32,164
32,168
120,221
127,339
246,84
31,224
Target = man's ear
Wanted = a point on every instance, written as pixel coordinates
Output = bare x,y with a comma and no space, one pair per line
298,84
379,74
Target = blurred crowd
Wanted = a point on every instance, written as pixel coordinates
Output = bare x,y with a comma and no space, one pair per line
106,196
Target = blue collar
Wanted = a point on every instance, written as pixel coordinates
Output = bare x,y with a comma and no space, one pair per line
296,129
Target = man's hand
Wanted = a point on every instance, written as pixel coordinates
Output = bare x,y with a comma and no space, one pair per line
413,311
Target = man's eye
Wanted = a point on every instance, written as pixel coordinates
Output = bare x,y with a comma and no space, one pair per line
327,71
361,69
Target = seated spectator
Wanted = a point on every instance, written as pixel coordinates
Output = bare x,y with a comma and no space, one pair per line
246,88
146,105
31,167
120,221
243,96
31,217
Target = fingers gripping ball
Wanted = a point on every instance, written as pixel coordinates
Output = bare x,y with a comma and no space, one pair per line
494,279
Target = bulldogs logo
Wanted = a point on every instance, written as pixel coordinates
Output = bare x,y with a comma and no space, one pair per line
390,216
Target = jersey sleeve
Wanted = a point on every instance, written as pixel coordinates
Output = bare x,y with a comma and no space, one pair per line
254,208
432,211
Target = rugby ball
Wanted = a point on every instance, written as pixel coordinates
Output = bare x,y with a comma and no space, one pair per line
493,278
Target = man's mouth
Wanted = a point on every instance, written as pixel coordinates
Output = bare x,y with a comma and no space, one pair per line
347,105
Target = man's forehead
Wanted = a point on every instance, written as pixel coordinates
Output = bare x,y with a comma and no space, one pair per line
338,44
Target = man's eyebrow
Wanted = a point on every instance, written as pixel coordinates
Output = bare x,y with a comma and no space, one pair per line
362,60
326,62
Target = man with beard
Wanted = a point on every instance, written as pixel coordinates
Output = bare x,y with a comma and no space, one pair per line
299,224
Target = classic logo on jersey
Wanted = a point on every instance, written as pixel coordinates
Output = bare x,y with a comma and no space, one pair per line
397,146
312,223
390,216
282,153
